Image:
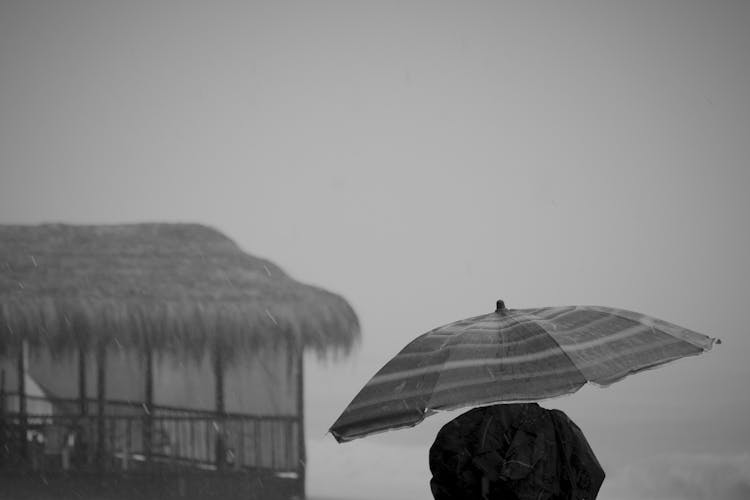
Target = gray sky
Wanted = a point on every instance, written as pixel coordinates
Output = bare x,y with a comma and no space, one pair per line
423,159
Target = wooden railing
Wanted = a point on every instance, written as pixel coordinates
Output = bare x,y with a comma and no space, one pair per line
127,437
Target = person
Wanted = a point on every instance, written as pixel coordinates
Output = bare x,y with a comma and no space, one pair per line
514,451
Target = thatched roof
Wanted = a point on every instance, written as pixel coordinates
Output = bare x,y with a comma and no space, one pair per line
168,287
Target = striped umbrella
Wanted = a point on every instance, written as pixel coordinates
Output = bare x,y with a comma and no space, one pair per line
512,355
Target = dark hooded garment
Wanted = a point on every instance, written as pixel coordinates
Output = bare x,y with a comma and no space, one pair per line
513,452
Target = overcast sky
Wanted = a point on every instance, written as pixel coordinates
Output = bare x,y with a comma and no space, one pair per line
425,159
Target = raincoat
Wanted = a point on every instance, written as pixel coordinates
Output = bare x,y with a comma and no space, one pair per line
513,451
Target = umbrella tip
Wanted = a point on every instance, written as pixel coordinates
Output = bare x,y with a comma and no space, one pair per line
500,306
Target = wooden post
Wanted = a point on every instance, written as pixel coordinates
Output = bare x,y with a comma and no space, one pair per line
101,394
219,372
2,395
82,396
22,422
3,443
220,408
301,420
148,420
127,445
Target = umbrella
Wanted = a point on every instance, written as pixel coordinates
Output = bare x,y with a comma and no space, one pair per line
512,355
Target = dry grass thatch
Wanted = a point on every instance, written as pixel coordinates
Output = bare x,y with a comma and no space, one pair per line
165,287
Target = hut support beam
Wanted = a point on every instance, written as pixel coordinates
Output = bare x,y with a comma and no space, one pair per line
148,422
101,395
301,421
22,398
2,394
82,398
220,408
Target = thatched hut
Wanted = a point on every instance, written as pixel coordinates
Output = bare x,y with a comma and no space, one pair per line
157,344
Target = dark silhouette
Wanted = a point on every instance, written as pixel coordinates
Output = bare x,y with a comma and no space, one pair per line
513,452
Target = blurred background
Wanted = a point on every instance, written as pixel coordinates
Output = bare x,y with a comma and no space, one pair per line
424,159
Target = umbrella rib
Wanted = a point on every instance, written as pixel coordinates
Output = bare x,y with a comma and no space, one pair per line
468,324
440,374
686,335
518,323
573,363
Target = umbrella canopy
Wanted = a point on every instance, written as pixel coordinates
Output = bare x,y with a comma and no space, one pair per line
512,355
166,287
